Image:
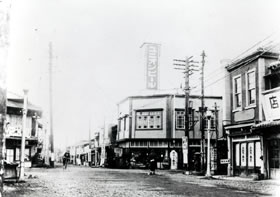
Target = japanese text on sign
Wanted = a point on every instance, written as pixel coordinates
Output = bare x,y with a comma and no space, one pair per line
152,66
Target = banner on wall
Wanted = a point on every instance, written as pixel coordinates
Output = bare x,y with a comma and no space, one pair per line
272,105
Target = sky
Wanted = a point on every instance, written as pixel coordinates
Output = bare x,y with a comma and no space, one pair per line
97,60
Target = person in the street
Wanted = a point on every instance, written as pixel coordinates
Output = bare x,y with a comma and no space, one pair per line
152,162
66,158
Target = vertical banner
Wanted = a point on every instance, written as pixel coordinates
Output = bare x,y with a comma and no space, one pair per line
152,76
185,149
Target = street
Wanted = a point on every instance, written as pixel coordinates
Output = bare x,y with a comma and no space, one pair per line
85,181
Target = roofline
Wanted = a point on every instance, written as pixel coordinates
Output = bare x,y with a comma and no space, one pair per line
166,95
255,55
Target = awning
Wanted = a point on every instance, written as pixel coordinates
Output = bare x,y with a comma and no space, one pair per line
266,124
238,126
18,103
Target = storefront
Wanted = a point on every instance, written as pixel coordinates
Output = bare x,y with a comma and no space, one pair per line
271,144
245,150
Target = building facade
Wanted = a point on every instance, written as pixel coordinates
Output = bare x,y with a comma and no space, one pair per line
13,132
156,122
252,115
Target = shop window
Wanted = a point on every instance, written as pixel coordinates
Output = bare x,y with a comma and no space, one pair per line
237,155
274,153
17,154
10,155
258,154
251,154
148,120
243,154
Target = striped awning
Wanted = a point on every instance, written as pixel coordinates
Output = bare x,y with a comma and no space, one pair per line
266,124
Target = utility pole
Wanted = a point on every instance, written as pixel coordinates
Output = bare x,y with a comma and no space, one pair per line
22,150
51,105
208,116
187,71
202,110
216,131
187,95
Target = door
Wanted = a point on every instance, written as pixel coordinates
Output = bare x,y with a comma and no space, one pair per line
274,158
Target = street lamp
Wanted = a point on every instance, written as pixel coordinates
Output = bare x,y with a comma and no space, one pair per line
208,116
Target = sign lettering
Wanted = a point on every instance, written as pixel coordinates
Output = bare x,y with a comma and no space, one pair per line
271,105
152,66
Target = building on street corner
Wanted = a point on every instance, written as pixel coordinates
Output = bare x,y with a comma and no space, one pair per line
252,118
156,122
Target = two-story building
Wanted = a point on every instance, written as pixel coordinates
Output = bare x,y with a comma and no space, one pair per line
157,121
252,115
13,131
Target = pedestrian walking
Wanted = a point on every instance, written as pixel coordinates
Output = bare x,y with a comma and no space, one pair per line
152,162
66,158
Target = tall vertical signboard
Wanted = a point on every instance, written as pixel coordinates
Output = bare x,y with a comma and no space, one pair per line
4,33
152,69
185,149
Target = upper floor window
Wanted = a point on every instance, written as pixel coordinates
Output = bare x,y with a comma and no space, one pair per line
251,87
149,120
180,119
237,94
213,123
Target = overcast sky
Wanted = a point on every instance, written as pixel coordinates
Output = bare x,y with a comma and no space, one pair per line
97,56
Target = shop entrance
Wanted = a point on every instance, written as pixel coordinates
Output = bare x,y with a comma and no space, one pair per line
247,158
274,158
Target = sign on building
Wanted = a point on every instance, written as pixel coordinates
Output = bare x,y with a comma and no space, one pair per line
152,78
272,105
185,149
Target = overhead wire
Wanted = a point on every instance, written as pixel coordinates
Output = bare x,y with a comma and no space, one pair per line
234,60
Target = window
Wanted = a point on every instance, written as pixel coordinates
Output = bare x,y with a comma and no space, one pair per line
10,155
180,119
212,123
251,87
274,153
149,120
237,92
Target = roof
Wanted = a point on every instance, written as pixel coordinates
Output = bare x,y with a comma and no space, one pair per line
164,93
18,103
266,124
237,126
261,52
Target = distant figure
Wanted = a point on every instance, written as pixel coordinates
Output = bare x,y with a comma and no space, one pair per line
152,162
66,158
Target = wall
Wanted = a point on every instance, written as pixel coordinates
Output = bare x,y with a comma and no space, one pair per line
14,125
245,113
149,103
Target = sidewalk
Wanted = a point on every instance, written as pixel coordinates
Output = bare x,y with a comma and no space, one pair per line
263,187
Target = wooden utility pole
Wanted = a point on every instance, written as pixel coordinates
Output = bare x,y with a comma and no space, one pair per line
187,95
217,132
188,69
202,110
51,105
22,150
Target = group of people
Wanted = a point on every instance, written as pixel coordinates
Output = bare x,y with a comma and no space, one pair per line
151,160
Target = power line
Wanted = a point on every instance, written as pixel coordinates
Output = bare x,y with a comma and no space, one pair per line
249,61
